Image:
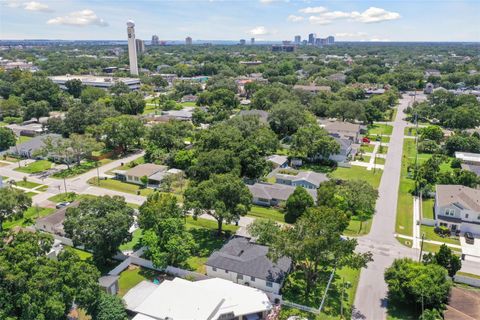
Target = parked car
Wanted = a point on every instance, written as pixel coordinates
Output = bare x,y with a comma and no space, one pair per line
365,140
469,238
62,205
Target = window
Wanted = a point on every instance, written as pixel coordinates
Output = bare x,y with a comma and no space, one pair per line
269,284
466,215
449,212
443,224
226,271
252,279
240,277
214,269
478,217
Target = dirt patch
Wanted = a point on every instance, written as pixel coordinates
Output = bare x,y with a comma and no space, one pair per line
463,304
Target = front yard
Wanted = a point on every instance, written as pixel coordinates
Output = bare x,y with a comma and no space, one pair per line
35,167
117,185
29,217
356,172
380,129
267,213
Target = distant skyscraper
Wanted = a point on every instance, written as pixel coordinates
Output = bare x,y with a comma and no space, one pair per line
330,40
140,46
252,41
298,39
132,49
311,38
155,41
188,41
242,42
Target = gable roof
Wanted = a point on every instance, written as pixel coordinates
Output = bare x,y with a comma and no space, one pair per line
341,126
312,177
242,256
261,114
458,195
277,159
275,191
146,169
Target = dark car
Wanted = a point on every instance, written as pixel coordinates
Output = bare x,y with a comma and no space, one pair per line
469,238
62,205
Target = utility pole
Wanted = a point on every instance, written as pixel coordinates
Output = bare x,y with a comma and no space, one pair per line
98,173
326,289
416,152
65,185
341,300
421,249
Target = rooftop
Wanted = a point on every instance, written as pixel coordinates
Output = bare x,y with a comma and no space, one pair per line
309,176
275,191
340,126
93,79
458,195
146,169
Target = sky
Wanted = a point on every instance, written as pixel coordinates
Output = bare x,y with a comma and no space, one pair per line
360,20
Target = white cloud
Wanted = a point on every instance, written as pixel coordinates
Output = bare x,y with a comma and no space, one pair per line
351,34
271,1
258,31
294,18
79,18
12,3
379,40
36,6
373,14
313,10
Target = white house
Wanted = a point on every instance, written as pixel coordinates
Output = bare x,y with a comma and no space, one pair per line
155,174
278,161
305,179
458,208
245,262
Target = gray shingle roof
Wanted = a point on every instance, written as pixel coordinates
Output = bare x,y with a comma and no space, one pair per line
250,259
458,195
312,177
275,191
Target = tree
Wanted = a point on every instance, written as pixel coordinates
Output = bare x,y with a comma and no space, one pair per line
314,243
7,138
431,314
215,162
34,286
130,103
119,88
13,203
110,307
11,107
445,258
313,142
433,133
224,197
287,117
411,282
122,132
36,109
100,224
74,87
158,81
92,94
297,203
347,110
157,207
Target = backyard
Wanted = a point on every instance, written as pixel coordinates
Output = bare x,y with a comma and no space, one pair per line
133,275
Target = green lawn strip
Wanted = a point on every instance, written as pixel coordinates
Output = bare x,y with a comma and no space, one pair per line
384,139
367,148
356,172
382,150
431,235
471,275
132,244
266,213
23,139
31,194
363,159
427,208
29,217
63,197
380,129
379,160
35,167
208,224
27,184
117,185
42,188
84,255
431,247
149,108
404,222
76,170
132,276
354,227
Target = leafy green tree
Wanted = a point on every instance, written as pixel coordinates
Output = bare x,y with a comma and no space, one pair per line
347,110
433,133
119,88
297,203
313,142
36,109
431,314
215,162
224,197
100,224
13,203
74,87
445,258
130,103
122,132
7,138
266,97
110,307
34,286
287,117
11,107
413,283
92,94
157,207
314,243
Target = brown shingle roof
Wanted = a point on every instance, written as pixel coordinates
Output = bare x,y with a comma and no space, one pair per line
146,169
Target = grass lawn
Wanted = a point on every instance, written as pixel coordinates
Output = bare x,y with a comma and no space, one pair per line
356,172
379,160
121,186
404,222
23,139
29,217
27,184
63,197
427,208
354,227
382,150
132,276
431,235
363,158
35,167
208,241
84,255
410,131
76,170
380,129
208,224
430,247
132,244
266,213
3,124
383,139
367,148
149,108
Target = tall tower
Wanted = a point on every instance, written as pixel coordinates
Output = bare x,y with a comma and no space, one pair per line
132,48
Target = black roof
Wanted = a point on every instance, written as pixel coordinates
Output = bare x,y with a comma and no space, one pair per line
247,258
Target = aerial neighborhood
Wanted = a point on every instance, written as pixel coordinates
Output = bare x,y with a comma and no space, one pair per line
238,180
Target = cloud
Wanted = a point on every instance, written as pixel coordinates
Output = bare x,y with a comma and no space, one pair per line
351,34
294,18
258,31
79,18
321,15
36,6
271,1
12,3
310,10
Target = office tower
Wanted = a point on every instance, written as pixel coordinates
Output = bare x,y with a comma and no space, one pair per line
252,41
155,41
188,41
298,39
330,40
140,46
318,42
311,38
242,42
132,48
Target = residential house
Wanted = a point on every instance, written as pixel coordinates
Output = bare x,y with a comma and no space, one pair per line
278,161
28,128
29,148
154,172
340,77
432,73
343,130
312,88
458,208
189,98
244,262
470,161
374,91
267,194
347,151
261,114
53,223
184,114
215,299
305,179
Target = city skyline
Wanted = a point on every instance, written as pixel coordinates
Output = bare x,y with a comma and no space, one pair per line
265,20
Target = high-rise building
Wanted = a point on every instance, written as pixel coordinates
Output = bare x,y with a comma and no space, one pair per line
242,42
311,38
140,46
330,40
155,40
188,41
318,42
132,48
298,39
252,41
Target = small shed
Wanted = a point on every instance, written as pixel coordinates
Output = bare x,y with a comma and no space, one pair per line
109,284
